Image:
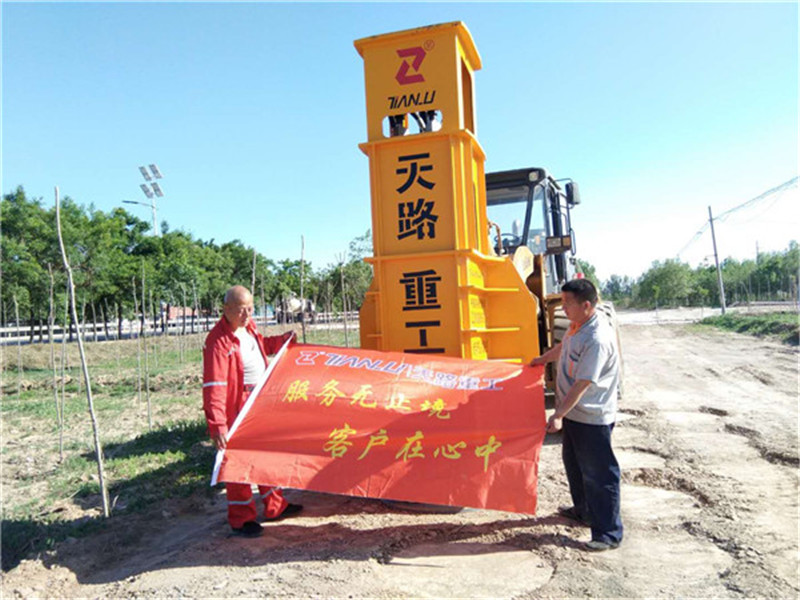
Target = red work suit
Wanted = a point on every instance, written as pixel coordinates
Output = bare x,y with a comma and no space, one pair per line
224,395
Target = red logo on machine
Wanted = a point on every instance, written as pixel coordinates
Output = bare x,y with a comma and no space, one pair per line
403,77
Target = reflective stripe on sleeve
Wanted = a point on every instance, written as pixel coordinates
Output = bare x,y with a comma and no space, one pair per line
213,383
241,502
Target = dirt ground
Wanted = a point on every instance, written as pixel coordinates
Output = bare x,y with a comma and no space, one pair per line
707,439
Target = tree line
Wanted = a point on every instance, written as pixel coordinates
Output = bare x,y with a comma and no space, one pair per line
771,276
113,257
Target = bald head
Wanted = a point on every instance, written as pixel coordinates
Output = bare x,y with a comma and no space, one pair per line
237,306
237,293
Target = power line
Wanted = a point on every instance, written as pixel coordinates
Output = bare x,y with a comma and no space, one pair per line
789,184
695,237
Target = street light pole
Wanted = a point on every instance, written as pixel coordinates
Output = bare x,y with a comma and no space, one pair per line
151,190
150,205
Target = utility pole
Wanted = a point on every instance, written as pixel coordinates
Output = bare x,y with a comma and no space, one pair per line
716,260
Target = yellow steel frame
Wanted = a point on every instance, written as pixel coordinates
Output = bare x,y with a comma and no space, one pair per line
437,287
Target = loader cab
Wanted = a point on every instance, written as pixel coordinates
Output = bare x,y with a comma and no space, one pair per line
527,207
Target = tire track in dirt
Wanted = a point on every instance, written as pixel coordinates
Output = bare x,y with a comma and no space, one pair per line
770,455
747,507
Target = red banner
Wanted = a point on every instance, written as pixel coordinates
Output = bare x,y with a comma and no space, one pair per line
391,425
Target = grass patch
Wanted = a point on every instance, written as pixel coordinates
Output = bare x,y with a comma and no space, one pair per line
174,461
46,501
29,403
34,405
331,337
782,325
168,462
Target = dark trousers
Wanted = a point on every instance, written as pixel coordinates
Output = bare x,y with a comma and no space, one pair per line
593,475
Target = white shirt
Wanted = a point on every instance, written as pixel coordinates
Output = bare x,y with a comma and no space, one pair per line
254,365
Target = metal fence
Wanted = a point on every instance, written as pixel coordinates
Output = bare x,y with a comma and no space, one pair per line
130,329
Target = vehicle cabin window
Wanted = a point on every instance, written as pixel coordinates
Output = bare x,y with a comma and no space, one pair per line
508,207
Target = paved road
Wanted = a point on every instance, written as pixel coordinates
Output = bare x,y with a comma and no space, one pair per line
689,315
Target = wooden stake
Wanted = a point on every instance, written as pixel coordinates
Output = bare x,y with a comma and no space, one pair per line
80,328
97,447
344,303
51,317
94,322
155,331
183,321
63,372
146,361
19,348
138,346
253,278
302,295
194,306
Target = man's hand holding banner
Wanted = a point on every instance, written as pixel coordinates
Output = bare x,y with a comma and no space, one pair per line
391,425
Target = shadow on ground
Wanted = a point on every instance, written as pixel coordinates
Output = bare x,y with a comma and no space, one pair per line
204,540
169,517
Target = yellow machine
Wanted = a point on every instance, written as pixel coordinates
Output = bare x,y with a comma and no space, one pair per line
447,280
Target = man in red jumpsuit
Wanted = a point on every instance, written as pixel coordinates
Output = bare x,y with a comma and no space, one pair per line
234,358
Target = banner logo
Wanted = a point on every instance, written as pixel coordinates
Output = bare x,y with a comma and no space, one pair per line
306,358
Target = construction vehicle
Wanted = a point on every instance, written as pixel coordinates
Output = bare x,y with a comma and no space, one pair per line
529,209
464,264
292,309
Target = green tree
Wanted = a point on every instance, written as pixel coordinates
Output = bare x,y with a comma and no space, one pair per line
356,273
28,246
588,271
618,289
704,289
666,283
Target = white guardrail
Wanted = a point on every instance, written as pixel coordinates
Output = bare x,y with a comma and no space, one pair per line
11,335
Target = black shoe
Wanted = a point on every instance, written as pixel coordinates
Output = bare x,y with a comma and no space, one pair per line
291,509
598,546
570,513
249,529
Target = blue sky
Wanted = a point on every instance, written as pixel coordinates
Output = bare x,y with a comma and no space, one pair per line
254,113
